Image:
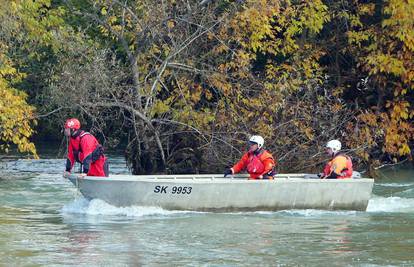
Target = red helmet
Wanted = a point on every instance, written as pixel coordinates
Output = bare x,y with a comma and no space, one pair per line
72,124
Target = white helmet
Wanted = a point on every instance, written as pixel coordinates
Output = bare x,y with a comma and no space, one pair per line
258,140
335,145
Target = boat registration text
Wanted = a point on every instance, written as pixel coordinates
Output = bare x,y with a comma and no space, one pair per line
164,189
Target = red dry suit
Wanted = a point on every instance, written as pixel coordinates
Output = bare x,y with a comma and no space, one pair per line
339,167
260,163
85,149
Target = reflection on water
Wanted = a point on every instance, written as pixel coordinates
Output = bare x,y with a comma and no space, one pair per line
44,221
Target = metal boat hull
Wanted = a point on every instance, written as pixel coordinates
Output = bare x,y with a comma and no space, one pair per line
214,193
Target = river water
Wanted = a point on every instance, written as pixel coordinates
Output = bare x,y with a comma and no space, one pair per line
44,221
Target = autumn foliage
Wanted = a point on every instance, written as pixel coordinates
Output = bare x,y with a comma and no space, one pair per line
185,83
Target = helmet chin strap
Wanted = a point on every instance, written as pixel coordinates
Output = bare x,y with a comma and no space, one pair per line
258,149
74,133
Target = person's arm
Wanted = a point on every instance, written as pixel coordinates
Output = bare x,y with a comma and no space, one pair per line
70,160
338,165
269,164
241,165
88,144
326,171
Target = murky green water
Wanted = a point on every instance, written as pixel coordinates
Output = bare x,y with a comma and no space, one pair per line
44,221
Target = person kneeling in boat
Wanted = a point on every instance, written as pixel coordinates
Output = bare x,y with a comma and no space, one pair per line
258,162
85,149
340,166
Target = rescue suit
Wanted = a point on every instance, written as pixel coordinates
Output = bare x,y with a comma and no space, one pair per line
85,149
258,163
339,167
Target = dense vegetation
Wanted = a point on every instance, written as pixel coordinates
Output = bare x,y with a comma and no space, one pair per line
184,83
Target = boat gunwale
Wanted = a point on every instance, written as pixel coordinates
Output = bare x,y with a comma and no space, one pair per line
217,178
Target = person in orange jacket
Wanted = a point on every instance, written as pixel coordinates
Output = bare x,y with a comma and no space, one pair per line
85,149
340,165
258,162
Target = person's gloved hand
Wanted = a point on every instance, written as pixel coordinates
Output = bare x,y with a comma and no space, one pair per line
227,172
267,177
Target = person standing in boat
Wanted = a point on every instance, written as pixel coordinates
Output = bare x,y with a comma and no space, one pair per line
258,162
340,165
85,149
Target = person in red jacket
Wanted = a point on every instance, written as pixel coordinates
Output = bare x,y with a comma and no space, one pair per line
258,162
85,149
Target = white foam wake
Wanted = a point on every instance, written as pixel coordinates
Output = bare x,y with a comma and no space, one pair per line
316,213
297,213
100,207
395,184
390,204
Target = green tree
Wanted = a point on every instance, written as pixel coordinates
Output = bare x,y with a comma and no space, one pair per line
32,33
381,39
16,116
